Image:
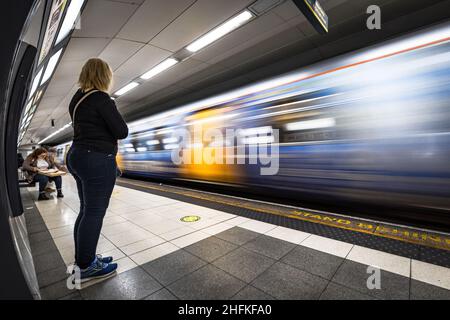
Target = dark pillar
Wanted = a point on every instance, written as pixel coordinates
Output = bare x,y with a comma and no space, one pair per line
13,16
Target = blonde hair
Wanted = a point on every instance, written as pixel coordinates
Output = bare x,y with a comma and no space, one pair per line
95,74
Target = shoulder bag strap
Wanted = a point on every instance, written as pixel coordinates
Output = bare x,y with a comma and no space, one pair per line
78,103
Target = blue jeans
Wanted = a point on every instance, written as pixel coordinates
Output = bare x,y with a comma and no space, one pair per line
42,180
95,175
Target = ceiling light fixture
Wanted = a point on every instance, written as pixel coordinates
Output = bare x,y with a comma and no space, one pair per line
127,88
51,66
220,31
69,20
166,64
56,132
35,84
28,106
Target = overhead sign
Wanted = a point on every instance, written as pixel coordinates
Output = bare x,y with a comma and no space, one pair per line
315,14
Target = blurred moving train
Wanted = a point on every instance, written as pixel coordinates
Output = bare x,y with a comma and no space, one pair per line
372,126
61,152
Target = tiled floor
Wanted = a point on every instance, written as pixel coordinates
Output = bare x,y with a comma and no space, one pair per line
221,256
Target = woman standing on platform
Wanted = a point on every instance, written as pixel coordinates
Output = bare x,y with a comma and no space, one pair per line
92,162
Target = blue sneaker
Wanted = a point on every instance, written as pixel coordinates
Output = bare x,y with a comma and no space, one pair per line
97,270
108,259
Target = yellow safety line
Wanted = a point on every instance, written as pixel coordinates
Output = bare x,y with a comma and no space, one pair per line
298,217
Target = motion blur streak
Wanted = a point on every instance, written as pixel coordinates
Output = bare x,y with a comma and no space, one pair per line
377,131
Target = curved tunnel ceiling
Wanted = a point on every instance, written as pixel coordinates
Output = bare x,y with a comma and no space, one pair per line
135,35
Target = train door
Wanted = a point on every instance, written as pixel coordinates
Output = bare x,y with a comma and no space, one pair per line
209,147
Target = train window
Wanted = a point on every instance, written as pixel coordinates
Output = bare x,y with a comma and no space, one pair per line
309,136
308,129
145,145
128,148
256,135
152,144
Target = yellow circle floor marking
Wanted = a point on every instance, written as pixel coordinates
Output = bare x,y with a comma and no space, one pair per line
404,234
190,218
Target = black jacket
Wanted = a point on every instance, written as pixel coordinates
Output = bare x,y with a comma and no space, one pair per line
98,125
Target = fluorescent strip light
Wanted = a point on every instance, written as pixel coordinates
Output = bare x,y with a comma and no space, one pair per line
220,31
24,120
127,88
141,149
36,80
56,132
28,106
69,20
159,68
51,66
311,124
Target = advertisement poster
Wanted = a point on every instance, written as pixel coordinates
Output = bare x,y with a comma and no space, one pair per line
52,26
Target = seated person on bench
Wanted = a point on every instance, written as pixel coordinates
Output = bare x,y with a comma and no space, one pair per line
39,160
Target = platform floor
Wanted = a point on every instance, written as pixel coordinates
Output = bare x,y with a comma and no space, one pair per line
221,256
